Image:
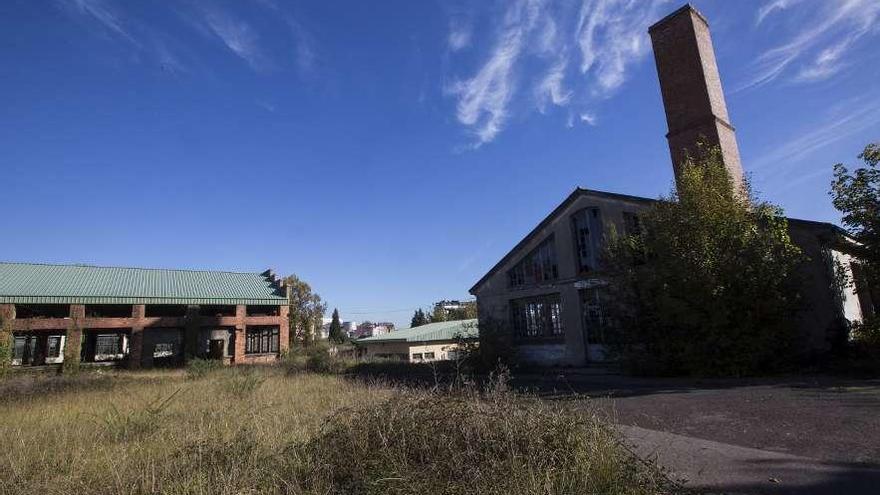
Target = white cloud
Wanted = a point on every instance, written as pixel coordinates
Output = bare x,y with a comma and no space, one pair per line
609,36
830,31
101,12
588,118
460,33
238,37
483,99
773,6
551,89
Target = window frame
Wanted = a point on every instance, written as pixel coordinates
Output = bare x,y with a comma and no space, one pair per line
595,231
262,340
539,266
537,318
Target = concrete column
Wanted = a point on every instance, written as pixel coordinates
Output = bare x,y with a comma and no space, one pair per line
284,329
240,330
136,347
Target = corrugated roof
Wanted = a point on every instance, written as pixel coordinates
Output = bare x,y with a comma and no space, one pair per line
29,283
445,330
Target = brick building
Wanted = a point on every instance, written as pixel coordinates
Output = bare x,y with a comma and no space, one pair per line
142,317
548,290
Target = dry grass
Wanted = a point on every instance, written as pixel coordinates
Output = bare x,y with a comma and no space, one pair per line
248,431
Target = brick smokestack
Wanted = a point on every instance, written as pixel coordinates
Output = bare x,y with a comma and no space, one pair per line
691,88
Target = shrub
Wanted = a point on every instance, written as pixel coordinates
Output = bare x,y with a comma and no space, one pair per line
137,422
493,349
458,443
316,358
242,382
197,368
710,286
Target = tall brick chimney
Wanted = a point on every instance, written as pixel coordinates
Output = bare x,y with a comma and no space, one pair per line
691,88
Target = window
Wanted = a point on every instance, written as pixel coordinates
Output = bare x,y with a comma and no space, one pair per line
163,350
417,356
53,346
261,340
429,355
587,229
537,267
632,224
594,309
537,317
107,346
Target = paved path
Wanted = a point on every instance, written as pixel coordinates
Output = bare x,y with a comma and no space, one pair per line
707,466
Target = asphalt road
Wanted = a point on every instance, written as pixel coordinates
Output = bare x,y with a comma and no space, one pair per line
797,434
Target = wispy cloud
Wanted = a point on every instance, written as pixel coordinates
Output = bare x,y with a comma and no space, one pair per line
238,36
101,12
845,119
582,53
773,6
814,52
460,32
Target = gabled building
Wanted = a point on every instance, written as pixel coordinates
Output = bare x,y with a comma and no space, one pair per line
548,290
142,317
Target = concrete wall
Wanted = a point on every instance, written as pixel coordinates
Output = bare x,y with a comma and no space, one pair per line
494,295
441,350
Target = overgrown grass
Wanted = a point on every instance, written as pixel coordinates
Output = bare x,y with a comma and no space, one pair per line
261,430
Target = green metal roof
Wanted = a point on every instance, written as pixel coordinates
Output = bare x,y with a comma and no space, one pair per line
445,330
28,283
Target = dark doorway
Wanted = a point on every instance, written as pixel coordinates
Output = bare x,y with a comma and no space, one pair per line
216,348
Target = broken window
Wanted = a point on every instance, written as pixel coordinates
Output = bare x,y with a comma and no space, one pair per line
429,355
261,340
632,224
587,229
537,317
594,310
417,356
537,267
108,347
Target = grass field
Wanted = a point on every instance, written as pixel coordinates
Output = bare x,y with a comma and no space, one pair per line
259,430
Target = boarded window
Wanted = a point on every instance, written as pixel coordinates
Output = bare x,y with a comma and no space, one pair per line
537,267
632,224
537,317
587,230
261,340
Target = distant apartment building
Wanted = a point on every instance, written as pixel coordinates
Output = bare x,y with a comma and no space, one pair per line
370,329
142,317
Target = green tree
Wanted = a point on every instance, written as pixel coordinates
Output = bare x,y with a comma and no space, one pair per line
467,311
306,311
419,318
857,195
710,286
439,314
336,334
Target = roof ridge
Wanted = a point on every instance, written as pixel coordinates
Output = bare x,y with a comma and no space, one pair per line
84,265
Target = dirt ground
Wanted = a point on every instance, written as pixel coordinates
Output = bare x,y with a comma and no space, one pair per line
824,418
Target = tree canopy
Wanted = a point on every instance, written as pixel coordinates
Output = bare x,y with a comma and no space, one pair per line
306,311
335,333
709,286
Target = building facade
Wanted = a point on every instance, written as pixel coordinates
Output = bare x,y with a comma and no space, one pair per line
547,292
142,317
426,343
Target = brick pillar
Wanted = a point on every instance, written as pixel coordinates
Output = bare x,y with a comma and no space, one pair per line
284,329
73,344
136,346
191,332
240,327
7,314
691,90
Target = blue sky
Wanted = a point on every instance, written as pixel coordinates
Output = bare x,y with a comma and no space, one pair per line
387,152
